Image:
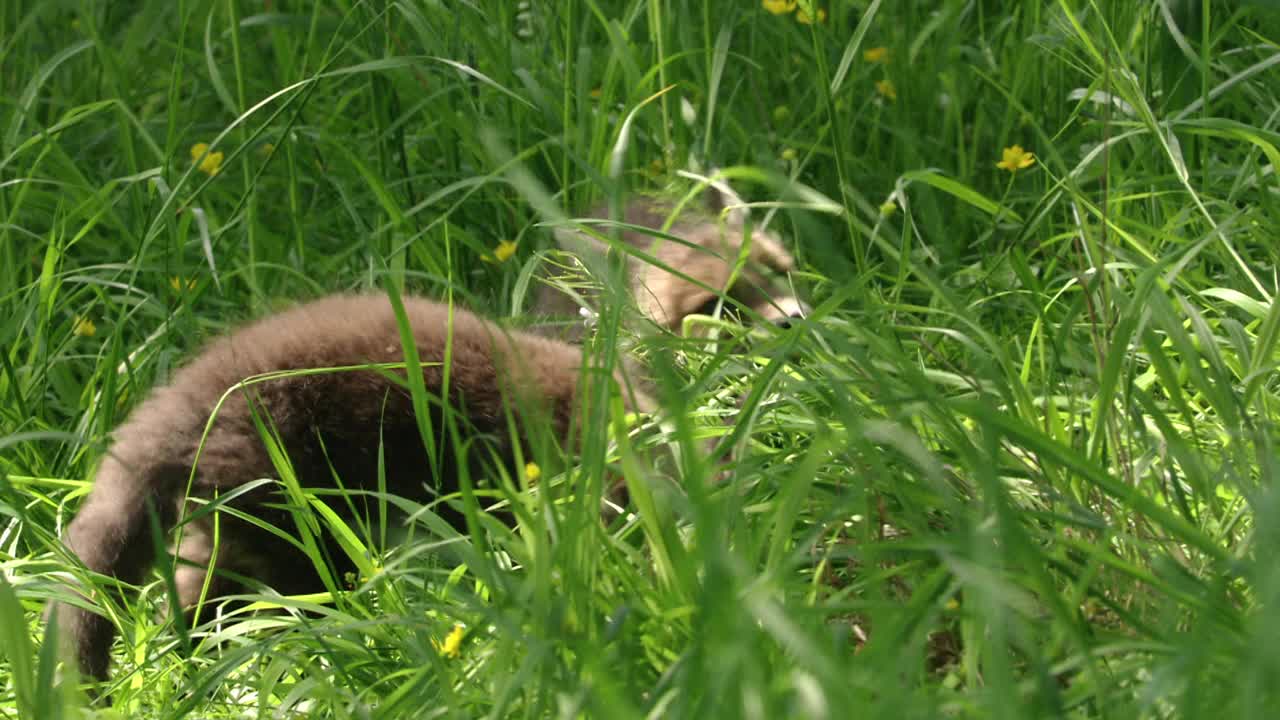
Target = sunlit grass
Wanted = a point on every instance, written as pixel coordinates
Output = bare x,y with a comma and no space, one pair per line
1019,462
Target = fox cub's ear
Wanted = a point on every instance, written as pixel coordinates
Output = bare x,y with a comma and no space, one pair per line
721,199
592,252
573,239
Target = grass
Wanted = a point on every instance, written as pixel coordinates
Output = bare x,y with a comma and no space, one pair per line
1021,461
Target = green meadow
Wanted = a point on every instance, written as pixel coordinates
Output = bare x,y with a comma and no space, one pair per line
1020,460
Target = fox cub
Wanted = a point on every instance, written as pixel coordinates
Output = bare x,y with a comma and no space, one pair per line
343,423
698,262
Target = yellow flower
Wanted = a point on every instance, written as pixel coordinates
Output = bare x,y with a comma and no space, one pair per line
779,7
179,284
84,327
452,644
1015,159
211,162
505,250
532,471
885,87
887,208
804,18
876,55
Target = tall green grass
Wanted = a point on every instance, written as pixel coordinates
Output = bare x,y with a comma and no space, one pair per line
1019,462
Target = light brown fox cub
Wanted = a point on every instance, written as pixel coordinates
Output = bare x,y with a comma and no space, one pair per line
677,272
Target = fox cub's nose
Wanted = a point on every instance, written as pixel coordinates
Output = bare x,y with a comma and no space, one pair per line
786,311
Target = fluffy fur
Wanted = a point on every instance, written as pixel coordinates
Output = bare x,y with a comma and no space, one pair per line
331,424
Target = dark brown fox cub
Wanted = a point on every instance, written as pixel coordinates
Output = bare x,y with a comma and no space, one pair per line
329,425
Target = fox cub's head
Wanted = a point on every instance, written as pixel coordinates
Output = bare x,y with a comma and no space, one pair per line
702,261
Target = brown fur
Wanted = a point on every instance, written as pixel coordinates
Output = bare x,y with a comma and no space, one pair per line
332,423
686,276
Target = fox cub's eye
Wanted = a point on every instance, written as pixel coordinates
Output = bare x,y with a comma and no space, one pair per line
728,312
708,307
